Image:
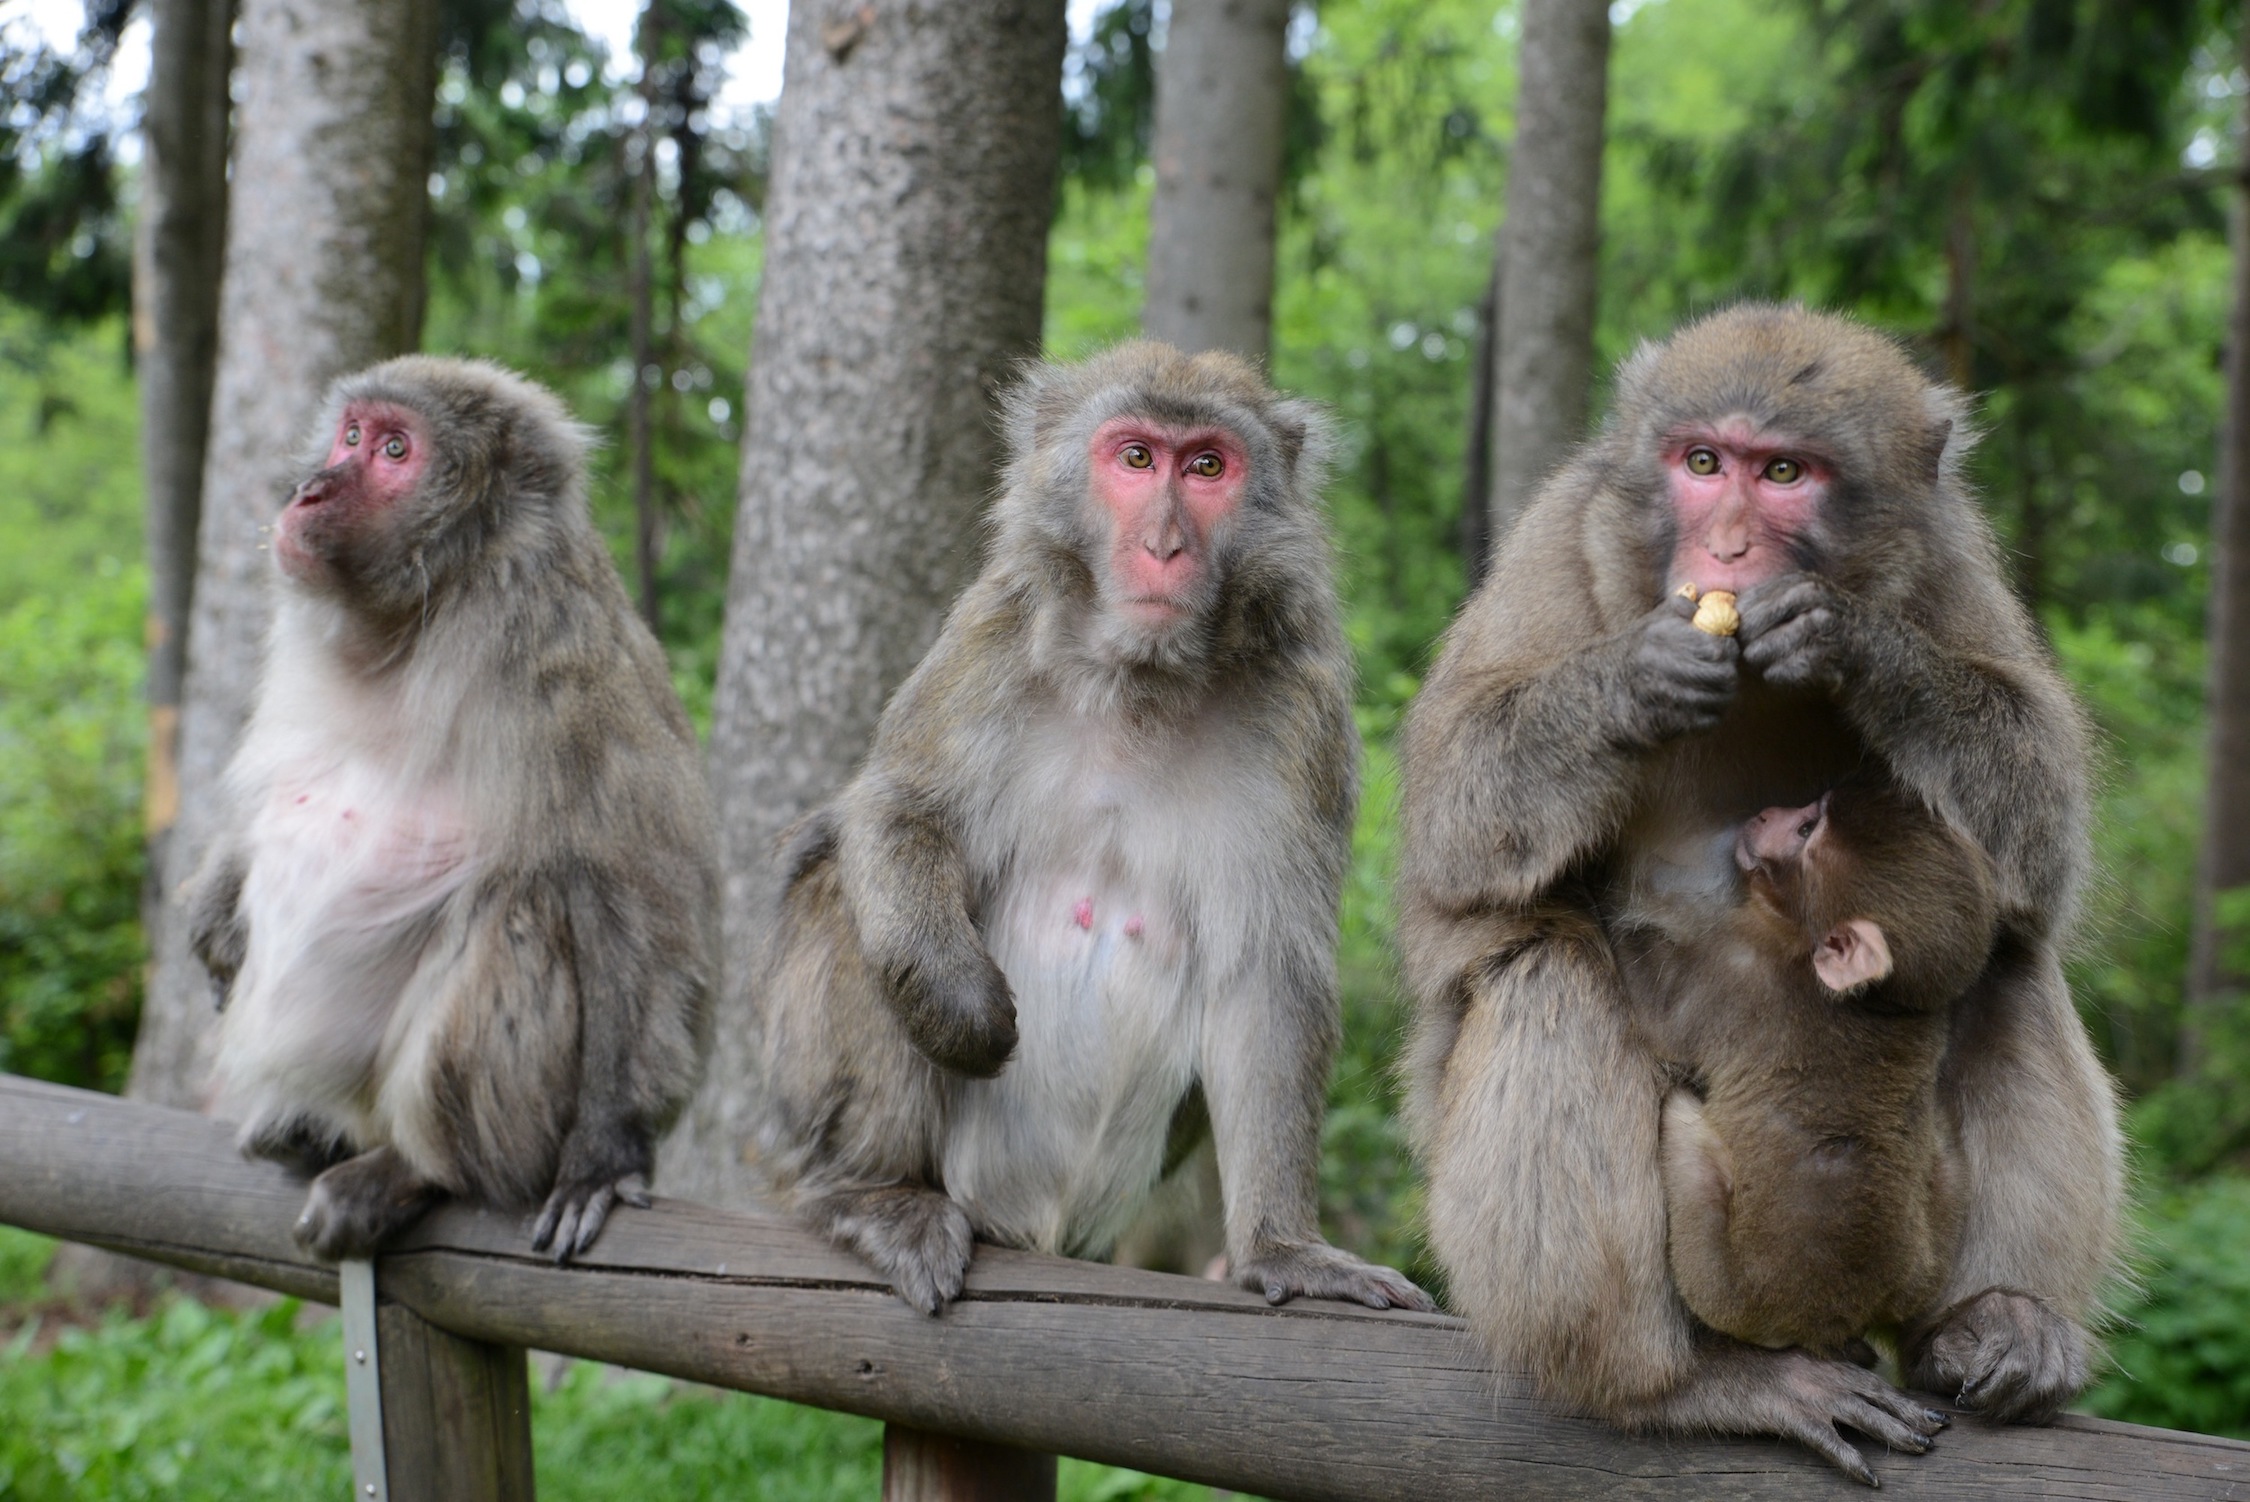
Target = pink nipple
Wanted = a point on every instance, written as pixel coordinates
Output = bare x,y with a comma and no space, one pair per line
1083,913
1133,926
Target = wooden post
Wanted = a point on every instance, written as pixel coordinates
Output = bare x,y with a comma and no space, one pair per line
433,1416
919,1466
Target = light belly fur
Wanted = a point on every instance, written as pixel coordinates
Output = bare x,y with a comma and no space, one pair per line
1060,1151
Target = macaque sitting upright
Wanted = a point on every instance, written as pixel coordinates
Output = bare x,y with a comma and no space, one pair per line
461,910
1799,973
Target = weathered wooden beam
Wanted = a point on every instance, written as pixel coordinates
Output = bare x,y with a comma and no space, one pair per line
434,1417
1314,1400
919,1466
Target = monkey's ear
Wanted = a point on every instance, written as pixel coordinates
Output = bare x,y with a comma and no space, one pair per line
1853,954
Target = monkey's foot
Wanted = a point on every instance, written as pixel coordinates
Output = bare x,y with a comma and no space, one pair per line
1792,1395
575,1213
2008,1355
915,1237
298,1143
361,1203
1316,1270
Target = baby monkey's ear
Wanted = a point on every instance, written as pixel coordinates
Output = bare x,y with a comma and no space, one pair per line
1853,954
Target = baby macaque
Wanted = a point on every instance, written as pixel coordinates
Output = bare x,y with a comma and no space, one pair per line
1801,979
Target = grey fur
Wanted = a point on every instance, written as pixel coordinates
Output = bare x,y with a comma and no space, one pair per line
499,988
943,1046
1570,723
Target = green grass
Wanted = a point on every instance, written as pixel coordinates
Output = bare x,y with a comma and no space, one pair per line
198,1404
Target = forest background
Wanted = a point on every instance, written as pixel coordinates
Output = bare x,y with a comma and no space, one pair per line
2033,193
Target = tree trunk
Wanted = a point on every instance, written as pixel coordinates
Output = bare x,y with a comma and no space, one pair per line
1222,102
1476,456
323,275
640,435
1550,247
2216,983
179,246
914,160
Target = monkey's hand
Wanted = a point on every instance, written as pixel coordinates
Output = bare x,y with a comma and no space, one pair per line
1796,631
1677,680
958,1008
217,932
1314,1269
2008,1355
598,1170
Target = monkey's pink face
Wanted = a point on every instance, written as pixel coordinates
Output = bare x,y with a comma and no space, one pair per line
377,459
1778,839
1165,491
1781,848
1740,497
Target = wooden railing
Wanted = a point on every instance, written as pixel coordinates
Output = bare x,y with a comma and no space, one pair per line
1041,1356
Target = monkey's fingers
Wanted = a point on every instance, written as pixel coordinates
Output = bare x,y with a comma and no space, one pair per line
1822,1439
916,1238
2015,1359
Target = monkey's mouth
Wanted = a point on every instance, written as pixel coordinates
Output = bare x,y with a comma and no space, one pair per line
1156,610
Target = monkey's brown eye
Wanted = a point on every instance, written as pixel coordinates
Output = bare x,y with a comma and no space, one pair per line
395,449
1137,456
1210,466
351,436
1702,461
1785,471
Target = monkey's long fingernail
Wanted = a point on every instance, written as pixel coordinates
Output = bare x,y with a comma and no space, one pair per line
1275,1293
1936,1417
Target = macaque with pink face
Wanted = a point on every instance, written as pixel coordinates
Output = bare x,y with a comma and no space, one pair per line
1078,908
1581,749
460,912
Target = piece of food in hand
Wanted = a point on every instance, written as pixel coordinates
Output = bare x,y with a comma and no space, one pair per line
1715,614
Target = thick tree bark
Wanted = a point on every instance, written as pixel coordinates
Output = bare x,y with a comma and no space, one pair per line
323,275
640,435
1550,247
1476,457
913,178
2214,984
1222,103
179,247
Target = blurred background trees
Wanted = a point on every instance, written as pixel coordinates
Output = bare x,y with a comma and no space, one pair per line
2035,194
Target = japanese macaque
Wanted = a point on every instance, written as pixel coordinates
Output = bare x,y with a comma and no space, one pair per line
1578,724
1800,979
462,919
1079,905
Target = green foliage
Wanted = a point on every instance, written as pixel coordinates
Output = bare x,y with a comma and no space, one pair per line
195,1404
23,1268
1370,1195
71,741
70,480
1109,93
531,252
2181,1357
63,241
192,1402
2143,681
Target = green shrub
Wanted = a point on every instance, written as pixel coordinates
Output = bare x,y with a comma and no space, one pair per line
72,734
2182,1356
